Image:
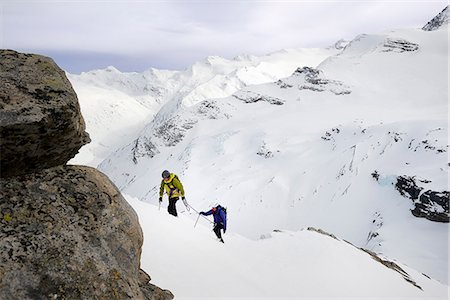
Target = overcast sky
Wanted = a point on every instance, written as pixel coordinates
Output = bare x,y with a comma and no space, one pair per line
82,35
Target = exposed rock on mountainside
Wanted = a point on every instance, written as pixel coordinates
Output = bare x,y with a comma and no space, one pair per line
66,232
387,263
40,121
340,44
249,97
312,79
438,21
173,130
399,46
432,205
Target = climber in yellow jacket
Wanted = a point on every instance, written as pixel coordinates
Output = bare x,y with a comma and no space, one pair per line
174,189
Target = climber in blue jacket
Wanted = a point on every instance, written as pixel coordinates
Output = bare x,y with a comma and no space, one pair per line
220,220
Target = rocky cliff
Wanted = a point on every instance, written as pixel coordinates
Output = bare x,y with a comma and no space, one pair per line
66,231
438,21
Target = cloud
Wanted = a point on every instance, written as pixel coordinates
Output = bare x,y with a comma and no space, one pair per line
173,34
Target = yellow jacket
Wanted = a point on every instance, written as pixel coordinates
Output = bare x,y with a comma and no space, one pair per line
173,187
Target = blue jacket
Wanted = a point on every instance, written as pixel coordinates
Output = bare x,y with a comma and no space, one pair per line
218,214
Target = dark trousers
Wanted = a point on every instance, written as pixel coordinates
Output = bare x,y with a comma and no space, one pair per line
217,227
172,209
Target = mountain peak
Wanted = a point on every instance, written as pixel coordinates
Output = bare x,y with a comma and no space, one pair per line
111,69
213,59
438,21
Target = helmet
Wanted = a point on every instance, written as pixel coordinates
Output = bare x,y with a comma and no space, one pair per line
165,174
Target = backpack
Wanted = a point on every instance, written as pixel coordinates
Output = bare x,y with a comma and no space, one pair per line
224,209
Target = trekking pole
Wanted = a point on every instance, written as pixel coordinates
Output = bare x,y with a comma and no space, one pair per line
201,215
197,220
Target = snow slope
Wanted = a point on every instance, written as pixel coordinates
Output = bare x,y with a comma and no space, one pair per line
296,265
302,151
116,105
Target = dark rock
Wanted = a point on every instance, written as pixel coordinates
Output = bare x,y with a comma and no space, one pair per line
428,202
407,187
313,81
143,147
375,175
67,233
393,266
284,85
172,131
251,97
438,21
399,46
40,121
265,152
432,205
318,230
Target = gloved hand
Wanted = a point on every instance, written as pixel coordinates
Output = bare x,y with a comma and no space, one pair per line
183,198
224,230
160,199
202,213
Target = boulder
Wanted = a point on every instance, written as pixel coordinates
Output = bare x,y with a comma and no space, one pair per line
40,121
67,233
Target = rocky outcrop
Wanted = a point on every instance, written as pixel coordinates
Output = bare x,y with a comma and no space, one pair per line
40,121
66,232
312,79
428,204
387,263
432,205
437,22
252,97
398,46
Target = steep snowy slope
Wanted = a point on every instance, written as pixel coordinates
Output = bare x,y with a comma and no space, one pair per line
112,118
296,265
357,147
116,105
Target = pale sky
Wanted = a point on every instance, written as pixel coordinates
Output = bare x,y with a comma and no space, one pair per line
81,35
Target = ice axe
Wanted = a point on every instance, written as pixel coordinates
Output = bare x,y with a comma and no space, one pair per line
185,203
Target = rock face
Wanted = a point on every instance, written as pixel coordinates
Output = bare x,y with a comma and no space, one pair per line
437,22
432,205
40,121
66,232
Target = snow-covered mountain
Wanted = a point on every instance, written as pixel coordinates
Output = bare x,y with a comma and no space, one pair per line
356,146
117,105
352,141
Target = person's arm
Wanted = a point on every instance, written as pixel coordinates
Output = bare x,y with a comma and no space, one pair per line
161,189
209,212
179,186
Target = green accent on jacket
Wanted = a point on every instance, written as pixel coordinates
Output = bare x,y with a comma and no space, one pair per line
173,187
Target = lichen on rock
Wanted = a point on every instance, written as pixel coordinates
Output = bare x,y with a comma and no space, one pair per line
41,125
70,233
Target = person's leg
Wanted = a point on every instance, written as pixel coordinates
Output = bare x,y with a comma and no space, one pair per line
217,227
172,209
